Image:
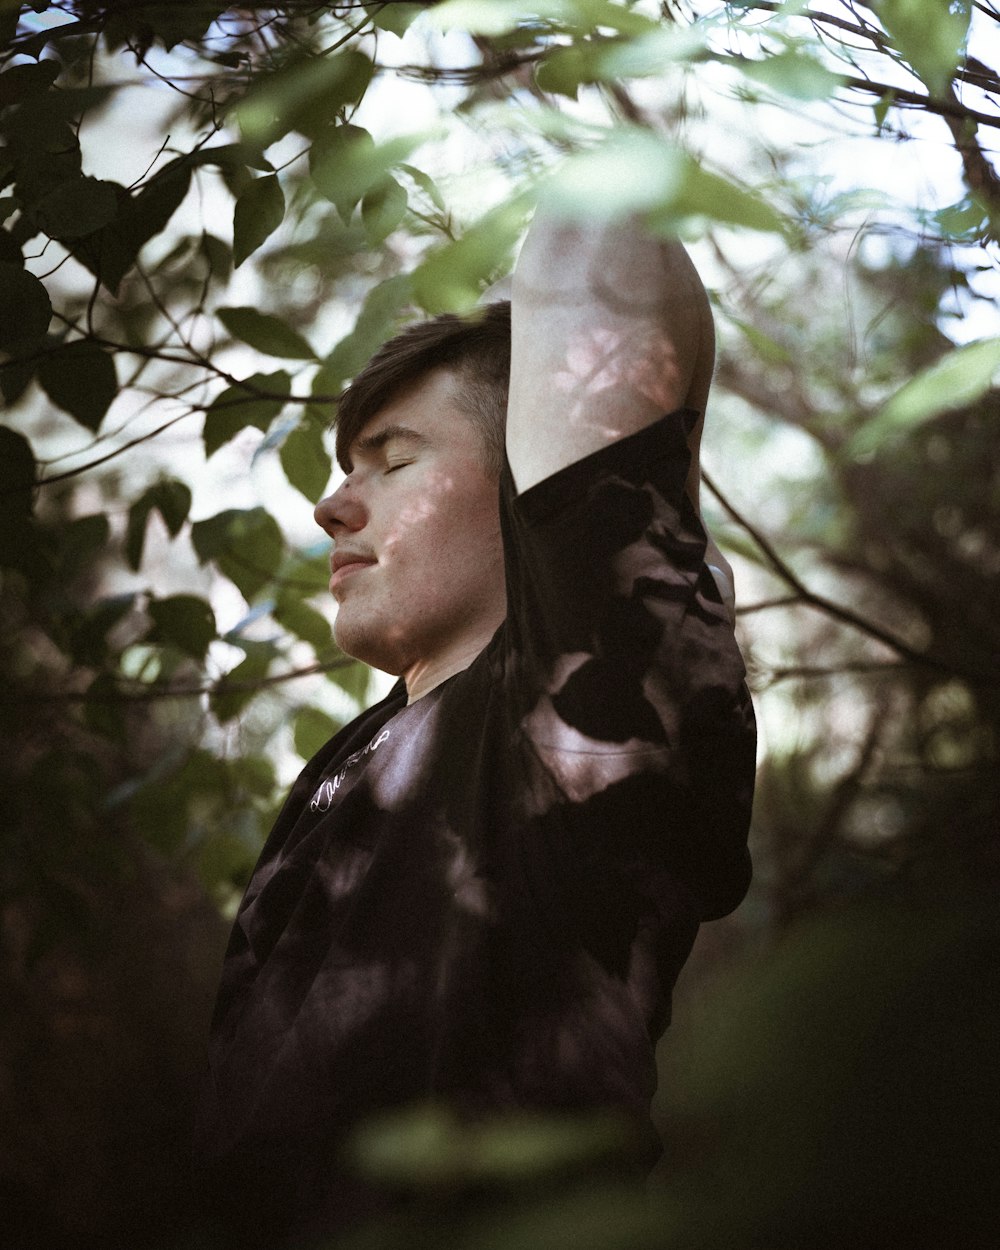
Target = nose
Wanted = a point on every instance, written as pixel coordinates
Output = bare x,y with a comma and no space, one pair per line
343,510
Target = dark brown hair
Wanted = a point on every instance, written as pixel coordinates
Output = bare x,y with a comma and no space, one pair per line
475,348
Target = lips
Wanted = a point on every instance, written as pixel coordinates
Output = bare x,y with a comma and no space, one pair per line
345,563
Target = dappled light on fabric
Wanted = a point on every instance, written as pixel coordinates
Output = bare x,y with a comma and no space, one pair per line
211,220
492,908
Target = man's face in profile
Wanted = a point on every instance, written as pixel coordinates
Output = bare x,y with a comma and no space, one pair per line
417,564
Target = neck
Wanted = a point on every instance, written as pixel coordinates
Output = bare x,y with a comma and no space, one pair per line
423,676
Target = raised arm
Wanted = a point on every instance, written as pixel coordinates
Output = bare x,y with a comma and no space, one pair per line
611,330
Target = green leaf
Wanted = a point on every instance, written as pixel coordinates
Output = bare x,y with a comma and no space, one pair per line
102,709
881,108
89,634
304,95
227,701
79,541
258,212
254,774
345,163
111,252
631,171
564,69
959,379
265,333
452,278
177,260
41,145
15,378
427,184
770,351
353,677
382,210
76,208
17,475
21,82
337,160
930,34
255,402
375,324
172,499
499,17
80,378
25,307
636,171
309,571
313,729
795,74
218,255
185,621
962,377
304,456
967,220
168,24
293,613
395,18
9,14
227,156
704,194
430,1145
163,808
17,480
648,55
245,544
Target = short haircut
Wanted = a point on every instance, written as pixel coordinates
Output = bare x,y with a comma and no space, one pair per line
475,348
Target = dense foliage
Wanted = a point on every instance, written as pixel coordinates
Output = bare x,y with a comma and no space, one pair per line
211,217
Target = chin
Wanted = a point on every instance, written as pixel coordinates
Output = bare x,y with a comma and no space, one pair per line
350,641
358,642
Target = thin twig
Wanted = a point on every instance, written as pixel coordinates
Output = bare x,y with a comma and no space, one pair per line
820,672
780,601
111,455
810,598
152,691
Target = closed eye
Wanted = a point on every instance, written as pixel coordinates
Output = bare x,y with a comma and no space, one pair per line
393,468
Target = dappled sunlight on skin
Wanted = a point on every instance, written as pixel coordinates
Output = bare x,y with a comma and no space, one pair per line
485,894
592,362
595,362
419,502
658,373
615,329
483,889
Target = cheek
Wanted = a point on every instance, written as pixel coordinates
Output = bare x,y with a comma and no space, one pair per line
446,512
477,537
411,525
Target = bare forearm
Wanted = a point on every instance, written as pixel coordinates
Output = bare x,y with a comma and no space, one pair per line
611,329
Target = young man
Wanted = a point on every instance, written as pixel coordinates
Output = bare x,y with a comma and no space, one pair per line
482,890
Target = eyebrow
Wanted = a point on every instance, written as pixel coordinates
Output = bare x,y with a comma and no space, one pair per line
369,443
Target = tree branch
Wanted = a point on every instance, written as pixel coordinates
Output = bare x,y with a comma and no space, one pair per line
151,691
111,455
980,176
846,616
